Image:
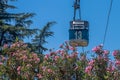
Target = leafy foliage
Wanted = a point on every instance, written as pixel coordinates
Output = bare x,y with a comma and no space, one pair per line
14,25
63,64
40,38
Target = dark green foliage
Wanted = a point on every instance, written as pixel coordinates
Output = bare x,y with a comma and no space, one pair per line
14,25
40,38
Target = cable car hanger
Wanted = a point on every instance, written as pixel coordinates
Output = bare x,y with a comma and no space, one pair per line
77,7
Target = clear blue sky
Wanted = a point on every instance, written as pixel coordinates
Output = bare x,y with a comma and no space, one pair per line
61,11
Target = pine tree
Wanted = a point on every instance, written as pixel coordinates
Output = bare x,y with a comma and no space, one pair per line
13,25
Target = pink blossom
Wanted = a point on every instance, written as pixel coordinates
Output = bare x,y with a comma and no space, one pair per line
88,69
106,52
76,68
91,62
110,69
39,76
83,57
75,54
34,55
113,68
72,48
67,47
49,71
115,53
100,57
44,68
96,49
24,57
30,60
46,57
37,60
29,65
18,72
1,63
18,68
58,51
18,45
52,53
68,56
62,52
13,53
106,58
5,46
56,58
13,45
117,62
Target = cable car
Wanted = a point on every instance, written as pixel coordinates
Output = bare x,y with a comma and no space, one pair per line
79,33
79,29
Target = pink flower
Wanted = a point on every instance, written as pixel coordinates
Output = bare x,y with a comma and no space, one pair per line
1,63
75,54
39,76
106,52
115,52
56,58
110,69
96,49
44,68
99,57
37,60
91,62
83,57
106,58
49,71
52,53
58,51
117,62
24,57
13,45
18,72
29,65
46,57
72,48
18,68
88,69
68,56
5,46
76,68
67,47
34,55
62,52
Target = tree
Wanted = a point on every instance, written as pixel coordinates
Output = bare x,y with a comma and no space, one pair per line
13,25
40,38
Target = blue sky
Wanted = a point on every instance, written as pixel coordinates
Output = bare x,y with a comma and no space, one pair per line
61,11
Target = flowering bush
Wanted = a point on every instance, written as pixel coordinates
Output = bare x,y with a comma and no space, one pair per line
17,62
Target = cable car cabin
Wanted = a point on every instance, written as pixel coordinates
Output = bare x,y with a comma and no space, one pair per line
79,33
